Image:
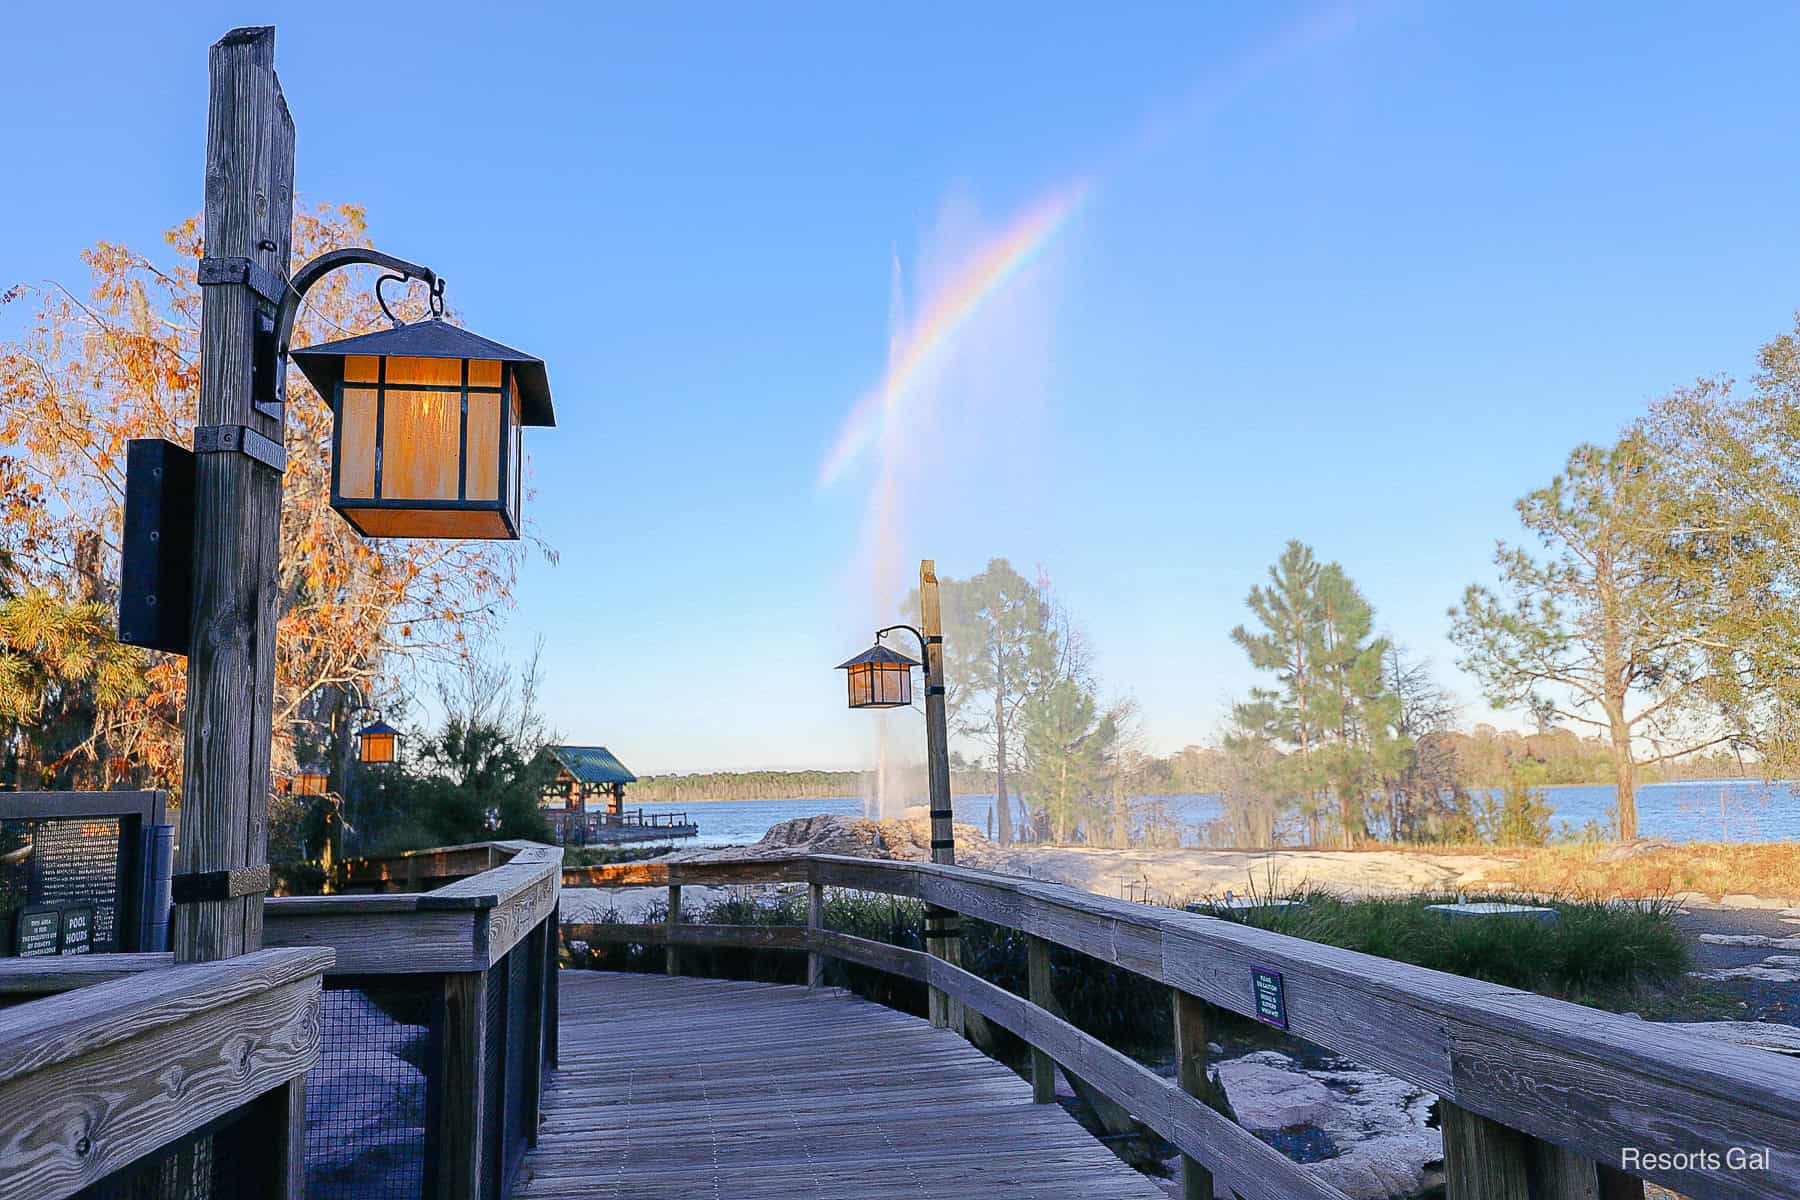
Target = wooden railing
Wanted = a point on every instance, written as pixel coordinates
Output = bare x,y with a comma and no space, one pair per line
126,1069
479,954
1541,1099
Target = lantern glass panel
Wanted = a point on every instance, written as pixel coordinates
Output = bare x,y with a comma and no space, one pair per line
429,522
896,684
517,448
420,444
356,444
434,372
483,479
309,783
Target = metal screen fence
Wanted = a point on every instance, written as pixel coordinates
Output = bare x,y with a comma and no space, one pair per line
521,1055
215,1162
367,1099
493,1083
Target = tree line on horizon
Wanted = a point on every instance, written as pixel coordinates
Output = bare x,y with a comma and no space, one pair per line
1648,625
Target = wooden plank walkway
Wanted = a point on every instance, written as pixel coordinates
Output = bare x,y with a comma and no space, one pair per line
680,1087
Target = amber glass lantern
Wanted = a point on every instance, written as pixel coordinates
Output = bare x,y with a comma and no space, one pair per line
309,781
377,744
880,678
426,441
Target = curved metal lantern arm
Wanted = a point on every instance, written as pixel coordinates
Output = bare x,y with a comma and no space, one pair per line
924,661
301,281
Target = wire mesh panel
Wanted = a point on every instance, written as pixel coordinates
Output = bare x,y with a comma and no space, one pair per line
521,1055
215,1162
366,1099
493,1083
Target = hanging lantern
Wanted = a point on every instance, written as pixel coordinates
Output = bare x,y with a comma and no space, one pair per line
308,781
427,423
377,744
880,678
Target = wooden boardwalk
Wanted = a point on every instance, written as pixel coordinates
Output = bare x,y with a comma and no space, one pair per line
689,1088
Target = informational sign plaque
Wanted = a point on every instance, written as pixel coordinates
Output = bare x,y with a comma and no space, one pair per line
1271,998
78,929
75,863
40,932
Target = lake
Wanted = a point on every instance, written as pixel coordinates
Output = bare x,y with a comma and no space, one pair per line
1730,810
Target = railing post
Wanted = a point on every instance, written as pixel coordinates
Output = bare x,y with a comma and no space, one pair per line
815,921
1043,1068
1616,1185
1191,1022
459,1080
279,1130
1483,1159
671,956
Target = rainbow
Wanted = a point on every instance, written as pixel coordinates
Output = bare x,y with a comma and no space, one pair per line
983,278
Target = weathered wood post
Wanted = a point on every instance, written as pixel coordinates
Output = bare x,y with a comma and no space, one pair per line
815,921
461,1084
1191,1014
942,932
1485,1159
671,955
221,866
221,863
1043,1067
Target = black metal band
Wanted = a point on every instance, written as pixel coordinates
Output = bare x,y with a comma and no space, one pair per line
936,689
197,886
253,275
943,844
936,639
941,814
240,439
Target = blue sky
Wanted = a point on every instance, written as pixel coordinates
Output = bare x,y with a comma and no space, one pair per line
1357,274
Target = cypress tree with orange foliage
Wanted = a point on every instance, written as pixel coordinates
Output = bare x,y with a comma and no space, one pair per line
92,371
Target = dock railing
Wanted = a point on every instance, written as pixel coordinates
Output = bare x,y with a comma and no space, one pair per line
466,970
1541,1099
123,1075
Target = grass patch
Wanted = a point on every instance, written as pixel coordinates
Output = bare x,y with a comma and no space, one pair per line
1713,869
1601,953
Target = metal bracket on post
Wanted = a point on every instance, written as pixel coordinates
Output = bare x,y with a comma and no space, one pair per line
267,391
271,287
198,886
240,439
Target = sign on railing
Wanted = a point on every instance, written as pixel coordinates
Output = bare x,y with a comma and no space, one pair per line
83,872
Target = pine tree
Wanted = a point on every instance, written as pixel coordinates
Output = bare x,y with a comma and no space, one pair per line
1331,710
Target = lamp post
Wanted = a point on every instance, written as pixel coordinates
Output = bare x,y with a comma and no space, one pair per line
882,678
426,445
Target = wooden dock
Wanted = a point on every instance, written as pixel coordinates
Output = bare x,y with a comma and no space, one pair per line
683,1087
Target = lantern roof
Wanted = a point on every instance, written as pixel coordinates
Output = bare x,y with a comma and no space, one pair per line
878,654
591,764
377,728
323,365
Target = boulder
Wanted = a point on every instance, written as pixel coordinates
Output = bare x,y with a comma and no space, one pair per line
1268,1092
1635,848
1374,1131
907,839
